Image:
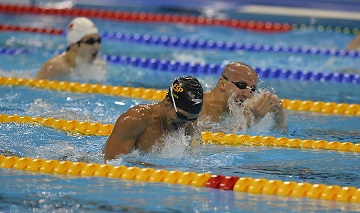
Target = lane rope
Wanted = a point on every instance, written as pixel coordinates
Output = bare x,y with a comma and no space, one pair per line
252,25
156,95
244,184
209,68
258,26
239,184
98,129
183,42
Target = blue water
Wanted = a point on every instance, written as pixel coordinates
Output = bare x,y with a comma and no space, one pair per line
35,192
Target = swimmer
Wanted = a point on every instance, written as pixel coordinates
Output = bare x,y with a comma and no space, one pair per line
80,57
144,126
236,85
354,44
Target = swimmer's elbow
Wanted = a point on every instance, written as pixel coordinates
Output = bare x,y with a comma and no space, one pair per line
108,155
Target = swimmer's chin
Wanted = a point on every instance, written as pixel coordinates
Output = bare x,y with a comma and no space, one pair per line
94,56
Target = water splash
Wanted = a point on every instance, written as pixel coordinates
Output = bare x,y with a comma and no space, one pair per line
173,145
95,71
236,122
63,151
16,73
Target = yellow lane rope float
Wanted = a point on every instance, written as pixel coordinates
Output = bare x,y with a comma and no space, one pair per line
153,94
98,129
240,184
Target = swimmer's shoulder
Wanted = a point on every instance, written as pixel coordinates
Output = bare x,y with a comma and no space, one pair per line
135,119
55,67
141,112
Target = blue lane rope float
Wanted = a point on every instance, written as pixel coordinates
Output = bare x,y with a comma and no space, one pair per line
11,51
209,68
183,42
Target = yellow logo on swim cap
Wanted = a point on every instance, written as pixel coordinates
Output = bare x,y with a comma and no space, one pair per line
177,88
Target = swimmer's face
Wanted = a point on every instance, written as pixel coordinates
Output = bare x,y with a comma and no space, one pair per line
245,79
180,119
88,47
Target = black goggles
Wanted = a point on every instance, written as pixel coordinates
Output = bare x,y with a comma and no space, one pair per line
240,85
91,41
179,114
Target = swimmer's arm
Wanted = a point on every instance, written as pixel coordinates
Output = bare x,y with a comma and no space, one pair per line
266,103
280,119
354,44
122,139
195,135
257,109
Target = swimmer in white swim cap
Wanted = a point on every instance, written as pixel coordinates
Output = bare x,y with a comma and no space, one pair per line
83,48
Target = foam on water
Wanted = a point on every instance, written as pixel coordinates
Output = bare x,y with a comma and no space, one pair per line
84,71
40,108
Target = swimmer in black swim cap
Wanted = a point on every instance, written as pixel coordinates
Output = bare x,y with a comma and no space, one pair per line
147,125
186,93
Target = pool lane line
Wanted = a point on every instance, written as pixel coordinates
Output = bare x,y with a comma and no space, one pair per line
218,138
209,68
132,16
156,95
207,180
201,44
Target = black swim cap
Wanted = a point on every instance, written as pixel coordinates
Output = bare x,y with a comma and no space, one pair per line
188,94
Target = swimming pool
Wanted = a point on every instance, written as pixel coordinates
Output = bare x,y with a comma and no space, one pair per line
290,71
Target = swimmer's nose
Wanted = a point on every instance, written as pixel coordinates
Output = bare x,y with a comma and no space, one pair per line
249,93
96,45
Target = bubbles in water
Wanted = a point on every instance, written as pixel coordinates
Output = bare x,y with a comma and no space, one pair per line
62,151
186,57
42,109
16,73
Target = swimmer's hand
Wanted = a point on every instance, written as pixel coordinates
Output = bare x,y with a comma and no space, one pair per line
267,102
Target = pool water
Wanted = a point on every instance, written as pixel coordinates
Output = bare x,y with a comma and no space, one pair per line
23,191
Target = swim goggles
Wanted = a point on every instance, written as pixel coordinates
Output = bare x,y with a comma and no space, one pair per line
240,85
179,114
91,41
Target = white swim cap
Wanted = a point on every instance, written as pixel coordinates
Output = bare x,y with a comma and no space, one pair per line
78,28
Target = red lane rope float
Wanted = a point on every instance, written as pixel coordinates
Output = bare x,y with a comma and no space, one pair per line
5,27
150,17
